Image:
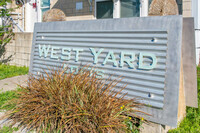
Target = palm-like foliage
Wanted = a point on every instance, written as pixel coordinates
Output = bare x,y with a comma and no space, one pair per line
60,102
6,32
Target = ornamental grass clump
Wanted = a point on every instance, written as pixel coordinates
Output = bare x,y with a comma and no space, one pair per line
74,103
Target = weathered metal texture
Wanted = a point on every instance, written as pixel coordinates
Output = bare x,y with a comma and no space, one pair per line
189,62
147,85
161,36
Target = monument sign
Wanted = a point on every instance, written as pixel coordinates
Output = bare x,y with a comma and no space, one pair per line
146,52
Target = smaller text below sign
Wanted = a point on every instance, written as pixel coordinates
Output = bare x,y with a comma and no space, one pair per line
141,62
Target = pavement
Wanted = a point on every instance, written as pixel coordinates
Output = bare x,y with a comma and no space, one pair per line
9,84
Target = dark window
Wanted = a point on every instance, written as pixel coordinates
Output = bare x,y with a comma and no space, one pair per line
180,5
130,8
104,9
150,3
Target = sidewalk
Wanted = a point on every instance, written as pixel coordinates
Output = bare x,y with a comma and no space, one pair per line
9,84
12,83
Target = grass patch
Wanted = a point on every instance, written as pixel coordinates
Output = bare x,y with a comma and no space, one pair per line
5,105
7,129
191,123
7,71
5,98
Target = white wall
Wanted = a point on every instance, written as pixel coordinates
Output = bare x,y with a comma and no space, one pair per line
31,16
196,15
197,36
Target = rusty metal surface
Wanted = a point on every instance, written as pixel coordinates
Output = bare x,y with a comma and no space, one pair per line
140,83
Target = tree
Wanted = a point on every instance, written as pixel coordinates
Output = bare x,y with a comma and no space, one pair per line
6,32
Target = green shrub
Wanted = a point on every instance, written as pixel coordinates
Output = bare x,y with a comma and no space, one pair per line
73,103
6,30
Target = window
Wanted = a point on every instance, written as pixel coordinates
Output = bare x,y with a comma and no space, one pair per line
130,8
45,6
79,5
121,8
104,9
118,8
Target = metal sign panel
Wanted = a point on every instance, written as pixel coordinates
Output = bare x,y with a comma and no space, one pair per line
146,52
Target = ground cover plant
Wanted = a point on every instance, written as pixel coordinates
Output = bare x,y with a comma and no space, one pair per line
5,105
5,99
191,123
7,129
7,71
63,102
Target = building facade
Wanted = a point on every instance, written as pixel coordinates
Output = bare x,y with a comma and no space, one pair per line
33,10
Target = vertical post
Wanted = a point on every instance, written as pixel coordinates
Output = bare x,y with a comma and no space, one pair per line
39,11
196,14
144,4
23,16
18,21
116,9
